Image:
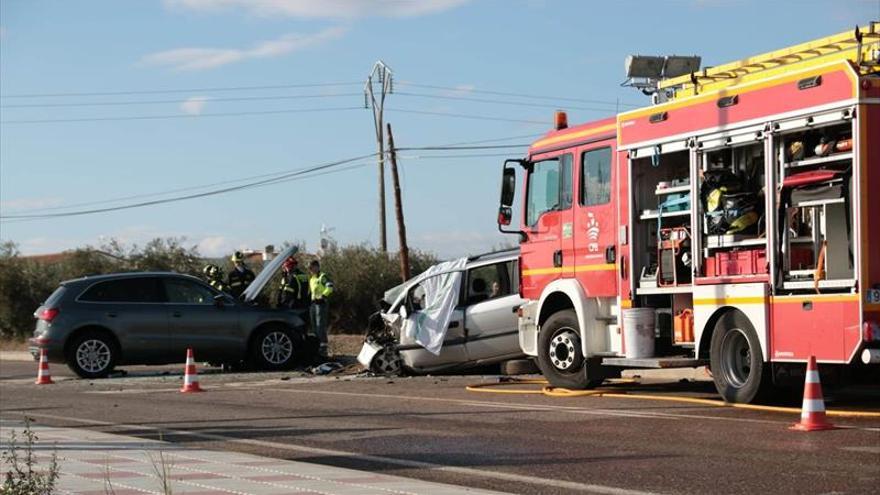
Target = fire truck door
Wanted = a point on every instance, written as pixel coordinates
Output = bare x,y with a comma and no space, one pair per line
548,221
595,231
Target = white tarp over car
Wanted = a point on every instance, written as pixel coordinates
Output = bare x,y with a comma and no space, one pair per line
441,284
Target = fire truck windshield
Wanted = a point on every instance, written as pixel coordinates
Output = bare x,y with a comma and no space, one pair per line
549,187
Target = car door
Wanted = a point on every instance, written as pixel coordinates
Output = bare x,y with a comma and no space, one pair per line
196,321
490,315
595,220
132,308
547,222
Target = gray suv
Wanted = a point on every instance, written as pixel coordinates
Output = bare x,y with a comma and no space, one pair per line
96,323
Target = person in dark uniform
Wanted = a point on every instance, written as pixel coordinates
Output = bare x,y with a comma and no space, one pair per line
294,290
240,277
214,276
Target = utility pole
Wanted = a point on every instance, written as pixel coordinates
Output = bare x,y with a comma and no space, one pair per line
398,209
381,76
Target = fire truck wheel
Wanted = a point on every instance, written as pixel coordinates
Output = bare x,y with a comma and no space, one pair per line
738,367
559,352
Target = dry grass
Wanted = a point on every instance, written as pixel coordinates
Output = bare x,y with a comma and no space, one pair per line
13,345
345,345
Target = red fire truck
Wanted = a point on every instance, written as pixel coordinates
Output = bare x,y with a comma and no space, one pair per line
734,223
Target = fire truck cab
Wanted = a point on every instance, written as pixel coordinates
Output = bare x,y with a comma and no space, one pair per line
731,225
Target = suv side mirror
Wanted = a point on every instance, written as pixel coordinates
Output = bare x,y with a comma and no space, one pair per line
220,300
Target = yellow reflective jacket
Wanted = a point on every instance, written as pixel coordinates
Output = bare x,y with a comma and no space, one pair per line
320,286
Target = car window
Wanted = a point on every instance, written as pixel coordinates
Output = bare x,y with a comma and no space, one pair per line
490,281
187,292
56,296
596,179
137,290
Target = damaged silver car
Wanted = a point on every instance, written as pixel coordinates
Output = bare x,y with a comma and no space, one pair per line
456,315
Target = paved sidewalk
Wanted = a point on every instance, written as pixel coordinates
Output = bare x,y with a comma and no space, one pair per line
94,463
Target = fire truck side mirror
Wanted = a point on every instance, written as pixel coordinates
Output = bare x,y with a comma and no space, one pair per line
508,187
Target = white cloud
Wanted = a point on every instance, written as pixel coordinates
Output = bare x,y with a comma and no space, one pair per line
216,246
194,105
210,58
30,203
334,9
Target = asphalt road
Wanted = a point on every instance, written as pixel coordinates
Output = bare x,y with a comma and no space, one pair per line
430,428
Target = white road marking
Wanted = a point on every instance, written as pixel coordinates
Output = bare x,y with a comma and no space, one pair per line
869,450
481,473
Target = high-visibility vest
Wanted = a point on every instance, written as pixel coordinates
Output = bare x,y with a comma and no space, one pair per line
320,286
295,283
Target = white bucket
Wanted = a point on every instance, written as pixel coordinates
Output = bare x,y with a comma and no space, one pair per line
638,332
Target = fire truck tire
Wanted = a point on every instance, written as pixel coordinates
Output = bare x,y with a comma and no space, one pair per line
737,364
559,352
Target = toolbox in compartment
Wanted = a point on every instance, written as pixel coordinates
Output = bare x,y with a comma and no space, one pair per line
740,262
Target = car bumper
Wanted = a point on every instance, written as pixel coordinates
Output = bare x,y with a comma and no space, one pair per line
54,349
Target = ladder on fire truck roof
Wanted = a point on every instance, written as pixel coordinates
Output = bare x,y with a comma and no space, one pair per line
860,46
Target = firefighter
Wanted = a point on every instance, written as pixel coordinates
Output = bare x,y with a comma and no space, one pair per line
320,288
294,290
214,276
240,277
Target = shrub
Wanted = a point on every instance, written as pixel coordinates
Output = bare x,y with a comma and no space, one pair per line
23,476
361,275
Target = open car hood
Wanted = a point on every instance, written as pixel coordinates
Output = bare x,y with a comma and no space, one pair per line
266,274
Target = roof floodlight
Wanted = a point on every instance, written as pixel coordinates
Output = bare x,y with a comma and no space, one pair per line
646,66
677,65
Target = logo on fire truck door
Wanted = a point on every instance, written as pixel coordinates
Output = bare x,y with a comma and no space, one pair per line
592,233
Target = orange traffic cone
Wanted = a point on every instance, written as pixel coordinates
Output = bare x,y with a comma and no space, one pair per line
43,376
190,375
813,412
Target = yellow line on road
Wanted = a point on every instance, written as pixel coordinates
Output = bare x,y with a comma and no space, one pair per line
604,392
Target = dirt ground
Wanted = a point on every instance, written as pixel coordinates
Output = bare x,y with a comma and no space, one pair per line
12,345
345,345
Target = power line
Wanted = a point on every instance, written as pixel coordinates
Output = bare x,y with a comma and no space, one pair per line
299,174
494,140
471,155
442,147
167,117
179,90
454,148
469,116
504,102
518,95
264,112
156,102
159,193
276,180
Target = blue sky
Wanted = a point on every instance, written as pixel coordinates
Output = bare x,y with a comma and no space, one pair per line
563,49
